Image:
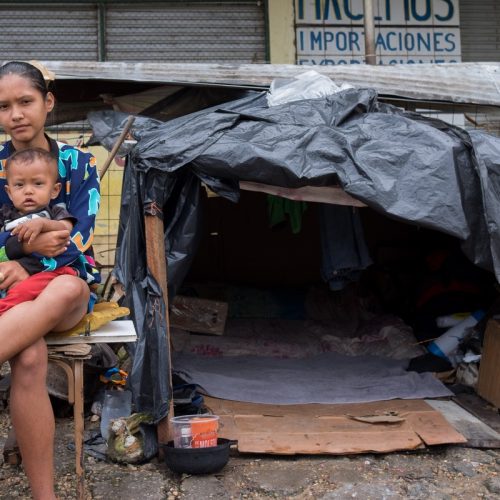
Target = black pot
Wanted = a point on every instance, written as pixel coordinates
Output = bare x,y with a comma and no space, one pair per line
197,460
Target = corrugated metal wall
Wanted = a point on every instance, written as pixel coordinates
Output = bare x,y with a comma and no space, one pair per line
49,32
186,32
480,30
225,32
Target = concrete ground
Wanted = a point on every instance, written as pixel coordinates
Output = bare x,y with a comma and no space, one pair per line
436,473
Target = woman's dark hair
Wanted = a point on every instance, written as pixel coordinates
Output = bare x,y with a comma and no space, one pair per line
28,71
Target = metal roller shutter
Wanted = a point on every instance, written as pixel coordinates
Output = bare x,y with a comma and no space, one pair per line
224,32
59,32
480,30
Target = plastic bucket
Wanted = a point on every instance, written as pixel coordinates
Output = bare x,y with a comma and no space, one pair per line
195,431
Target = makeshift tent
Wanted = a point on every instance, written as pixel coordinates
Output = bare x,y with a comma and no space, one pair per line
401,164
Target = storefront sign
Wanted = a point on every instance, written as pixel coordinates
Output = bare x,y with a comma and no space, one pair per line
406,31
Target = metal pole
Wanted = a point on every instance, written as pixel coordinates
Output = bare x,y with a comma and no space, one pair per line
370,56
101,32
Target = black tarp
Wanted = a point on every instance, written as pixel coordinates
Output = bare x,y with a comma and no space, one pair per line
417,169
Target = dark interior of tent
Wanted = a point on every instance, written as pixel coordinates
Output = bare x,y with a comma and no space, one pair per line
269,272
240,247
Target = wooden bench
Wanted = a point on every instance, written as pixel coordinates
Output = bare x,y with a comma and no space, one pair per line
72,364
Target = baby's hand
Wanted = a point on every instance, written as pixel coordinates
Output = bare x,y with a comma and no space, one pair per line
28,231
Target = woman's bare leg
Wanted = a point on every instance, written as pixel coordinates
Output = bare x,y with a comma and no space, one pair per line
60,306
33,419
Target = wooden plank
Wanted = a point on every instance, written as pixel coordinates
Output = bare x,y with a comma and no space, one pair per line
333,423
328,429
434,429
475,83
114,331
198,315
319,194
480,408
477,433
333,443
488,386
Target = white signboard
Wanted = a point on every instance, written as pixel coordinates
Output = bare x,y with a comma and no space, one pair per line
406,31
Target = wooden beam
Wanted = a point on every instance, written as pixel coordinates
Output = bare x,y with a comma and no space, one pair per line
334,195
157,265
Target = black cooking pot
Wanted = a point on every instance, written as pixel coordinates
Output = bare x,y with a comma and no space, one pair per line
197,460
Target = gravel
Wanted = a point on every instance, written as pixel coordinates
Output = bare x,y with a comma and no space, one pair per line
449,472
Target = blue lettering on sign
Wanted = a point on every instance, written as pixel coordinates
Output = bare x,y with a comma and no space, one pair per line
354,40
341,41
451,11
388,10
336,9
349,14
449,38
331,62
327,62
418,10
424,40
300,9
316,39
380,42
419,61
409,41
427,12
406,6
437,42
388,44
318,9
394,41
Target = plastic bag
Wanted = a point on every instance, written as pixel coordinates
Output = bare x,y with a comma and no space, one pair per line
308,85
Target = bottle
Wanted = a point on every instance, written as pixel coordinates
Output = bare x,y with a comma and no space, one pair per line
116,404
451,319
445,345
185,439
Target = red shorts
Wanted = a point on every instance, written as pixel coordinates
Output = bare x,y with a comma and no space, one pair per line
31,287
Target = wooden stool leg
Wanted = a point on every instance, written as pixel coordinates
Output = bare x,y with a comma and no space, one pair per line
79,428
11,453
70,376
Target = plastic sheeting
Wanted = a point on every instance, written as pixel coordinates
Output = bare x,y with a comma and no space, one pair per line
409,167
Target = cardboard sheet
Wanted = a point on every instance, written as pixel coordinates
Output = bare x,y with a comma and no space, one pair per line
329,429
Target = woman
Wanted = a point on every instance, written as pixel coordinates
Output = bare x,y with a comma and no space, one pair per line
24,105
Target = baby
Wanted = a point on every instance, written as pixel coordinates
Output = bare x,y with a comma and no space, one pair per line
32,182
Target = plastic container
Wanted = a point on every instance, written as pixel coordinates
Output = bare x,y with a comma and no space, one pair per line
451,319
195,431
446,344
116,404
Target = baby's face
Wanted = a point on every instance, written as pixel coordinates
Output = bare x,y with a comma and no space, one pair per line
31,186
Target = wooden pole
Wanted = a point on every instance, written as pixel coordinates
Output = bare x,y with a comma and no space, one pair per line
157,265
116,146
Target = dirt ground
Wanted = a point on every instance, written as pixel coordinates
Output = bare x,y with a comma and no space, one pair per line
437,473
